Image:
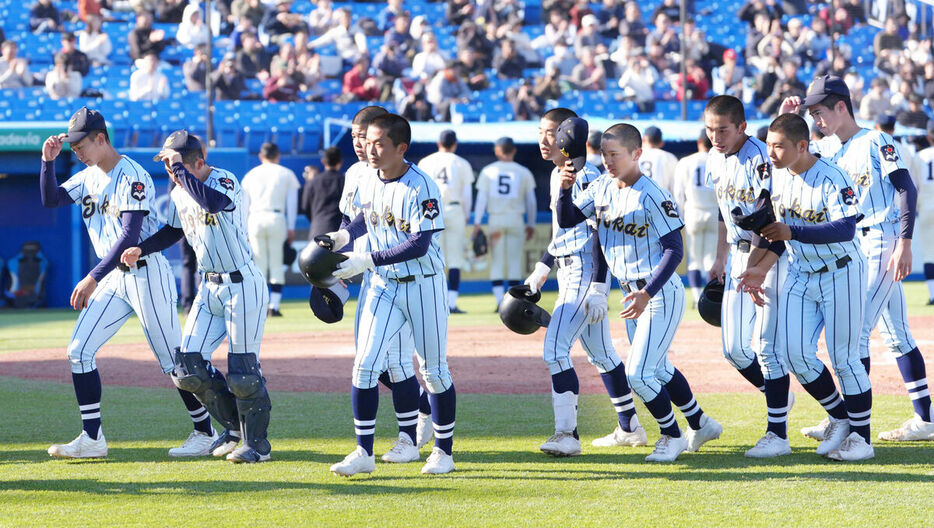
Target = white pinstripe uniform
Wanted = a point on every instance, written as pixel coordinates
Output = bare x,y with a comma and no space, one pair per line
407,294
630,223
659,165
572,248
271,197
812,299
148,290
236,310
868,158
506,185
698,204
748,330
925,184
454,177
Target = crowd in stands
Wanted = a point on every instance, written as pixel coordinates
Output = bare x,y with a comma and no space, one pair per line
269,50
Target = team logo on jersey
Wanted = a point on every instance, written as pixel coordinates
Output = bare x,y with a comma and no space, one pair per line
670,209
889,153
374,218
388,217
138,191
848,195
226,183
430,208
764,171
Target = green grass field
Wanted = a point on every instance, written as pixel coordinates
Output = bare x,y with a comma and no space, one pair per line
501,479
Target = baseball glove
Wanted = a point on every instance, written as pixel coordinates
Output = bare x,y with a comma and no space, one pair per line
479,243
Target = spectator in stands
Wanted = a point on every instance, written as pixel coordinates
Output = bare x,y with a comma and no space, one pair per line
854,82
321,195
412,104
609,15
900,98
252,60
399,38
470,36
816,40
697,83
192,32
672,9
472,70
430,60
562,59
837,17
663,35
772,48
914,115
228,83
280,22
632,25
321,18
526,106
761,27
62,82
728,78
390,65
550,86
281,86
888,38
589,74
456,12
577,13
349,40
309,75
696,44
787,85
562,6
195,70
73,57
287,62
253,10
445,89
770,8
45,18
587,37
508,63
386,18
359,85
660,61
100,8
638,83
506,12
929,81
93,42
148,83
14,71
171,11
144,39
557,29
857,11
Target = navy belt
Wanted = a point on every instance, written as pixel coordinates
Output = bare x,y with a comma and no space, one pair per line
633,286
411,278
218,278
564,262
124,268
454,203
840,262
743,246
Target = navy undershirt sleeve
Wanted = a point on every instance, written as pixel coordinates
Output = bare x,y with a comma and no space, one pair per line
568,213
907,201
777,247
599,261
414,247
52,194
162,239
548,259
356,228
827,233
132,222
673,252
209,199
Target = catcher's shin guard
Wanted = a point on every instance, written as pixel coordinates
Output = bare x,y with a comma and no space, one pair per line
249,387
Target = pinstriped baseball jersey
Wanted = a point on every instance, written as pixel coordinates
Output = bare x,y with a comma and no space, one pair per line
351,179
630,222
395,209
102,196
567,241
868,158
219,239
738,178
824,193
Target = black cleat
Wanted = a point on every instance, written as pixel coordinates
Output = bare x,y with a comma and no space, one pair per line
457,310
273,313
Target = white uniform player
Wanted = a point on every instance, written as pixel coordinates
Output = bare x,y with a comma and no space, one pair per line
925,182
698,204
454,177
656,163
506,190
271,200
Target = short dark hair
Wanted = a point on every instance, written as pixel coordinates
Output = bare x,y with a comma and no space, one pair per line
192,156
396,127
831,101
269,150
332,157
729,106
367,113
792,126
93,134
626,134
558,115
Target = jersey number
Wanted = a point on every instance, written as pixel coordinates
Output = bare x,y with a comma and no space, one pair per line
698,175
930,171
646,168
504,185
442,176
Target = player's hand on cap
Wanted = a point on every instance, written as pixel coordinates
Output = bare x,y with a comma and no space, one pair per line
900,260
52,147
776,231
170,157
340,238
130,256
790,105
356,263
635,304
82,293
538,277
596,302
568,175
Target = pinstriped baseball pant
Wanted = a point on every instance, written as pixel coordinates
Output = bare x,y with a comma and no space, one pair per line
650,336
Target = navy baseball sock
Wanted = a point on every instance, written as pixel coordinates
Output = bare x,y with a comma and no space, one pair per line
565,387
424,404
776,399
825,392
511,283
681,395
859,410
865,361
384,379
498,291
443,407
661,410
365,403
405,403
929,279
88,393
694,279
454,285
275,295
199,415
753,374
618,388
913,372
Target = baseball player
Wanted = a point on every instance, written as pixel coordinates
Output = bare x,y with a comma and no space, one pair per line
206,208
887,201
454,177
638,227
926,208
698,203
816,207
580,310
400,213
656,163
270,193
115,196
505,189
737,169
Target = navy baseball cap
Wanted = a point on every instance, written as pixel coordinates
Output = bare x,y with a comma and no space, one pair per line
83,123
886,120
180,141
571,138
447,138
653,134
823,86
328,303
505,142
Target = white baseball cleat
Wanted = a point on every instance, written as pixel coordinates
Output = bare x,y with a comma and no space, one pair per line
855,447
817,432
618,437
82,447
709,430
224,444
769,446
198,444
438,463
402,451
667,449
912,430
423,430
835,434
562,444
356,462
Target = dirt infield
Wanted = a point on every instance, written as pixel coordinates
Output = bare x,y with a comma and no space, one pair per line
482,359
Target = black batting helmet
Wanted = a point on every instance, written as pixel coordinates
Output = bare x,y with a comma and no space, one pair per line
317,262
711,299
519,311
